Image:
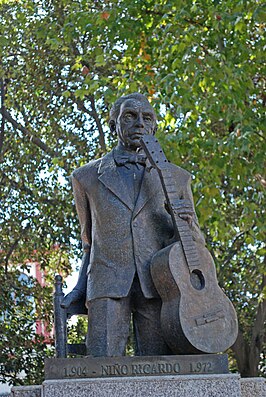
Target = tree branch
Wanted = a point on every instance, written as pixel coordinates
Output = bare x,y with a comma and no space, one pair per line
258,331
261,314
38,142
2,129
248,353
240,349
236,244
14,245
196,23
261,136
26,189
94,114
98,123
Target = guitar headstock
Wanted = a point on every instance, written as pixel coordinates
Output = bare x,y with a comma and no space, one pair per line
154,152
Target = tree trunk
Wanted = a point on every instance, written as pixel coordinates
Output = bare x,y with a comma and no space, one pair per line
248,354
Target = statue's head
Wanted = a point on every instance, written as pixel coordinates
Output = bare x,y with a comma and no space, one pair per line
131,117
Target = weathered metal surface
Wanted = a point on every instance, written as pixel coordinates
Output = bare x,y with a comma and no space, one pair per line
61,315
99,367
77,348
196,312
120,202
59,319
191,318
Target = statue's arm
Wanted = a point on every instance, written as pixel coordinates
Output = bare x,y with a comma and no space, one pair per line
84,215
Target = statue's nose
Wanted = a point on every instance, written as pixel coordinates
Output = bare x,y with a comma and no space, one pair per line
140,122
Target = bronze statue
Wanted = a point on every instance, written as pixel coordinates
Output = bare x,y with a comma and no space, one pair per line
126,223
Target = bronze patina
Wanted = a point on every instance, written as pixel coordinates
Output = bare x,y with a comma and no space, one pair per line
127,222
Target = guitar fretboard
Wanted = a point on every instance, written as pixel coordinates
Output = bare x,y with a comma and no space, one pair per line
184,232
176,206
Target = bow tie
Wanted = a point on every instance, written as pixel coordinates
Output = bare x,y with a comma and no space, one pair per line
134,158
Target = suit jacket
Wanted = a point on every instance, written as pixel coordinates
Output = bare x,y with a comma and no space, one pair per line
119,235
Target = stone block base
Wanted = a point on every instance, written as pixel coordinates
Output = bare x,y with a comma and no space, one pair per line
26,391
161,386
253,387
224,385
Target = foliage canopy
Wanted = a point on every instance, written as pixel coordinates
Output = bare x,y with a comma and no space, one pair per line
63,63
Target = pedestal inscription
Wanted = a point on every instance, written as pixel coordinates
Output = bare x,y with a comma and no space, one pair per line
104,367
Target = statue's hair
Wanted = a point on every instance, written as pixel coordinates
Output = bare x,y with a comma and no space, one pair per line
115,109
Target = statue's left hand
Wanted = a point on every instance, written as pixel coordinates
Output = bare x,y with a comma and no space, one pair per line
72,297
186,217
183,208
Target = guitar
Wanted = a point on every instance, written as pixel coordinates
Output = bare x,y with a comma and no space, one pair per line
196,315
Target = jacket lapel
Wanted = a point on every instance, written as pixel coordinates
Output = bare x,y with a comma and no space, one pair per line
150,185
110,177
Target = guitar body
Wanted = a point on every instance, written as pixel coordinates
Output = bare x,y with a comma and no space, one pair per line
196,316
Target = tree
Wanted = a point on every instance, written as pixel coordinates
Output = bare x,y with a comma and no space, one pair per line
22,350
62,65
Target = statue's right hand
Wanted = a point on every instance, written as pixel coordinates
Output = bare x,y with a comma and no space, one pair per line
72,297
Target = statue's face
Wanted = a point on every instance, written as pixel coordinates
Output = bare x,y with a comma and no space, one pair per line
135,119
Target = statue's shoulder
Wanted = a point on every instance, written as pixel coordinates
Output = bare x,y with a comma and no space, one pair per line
181,173
87,171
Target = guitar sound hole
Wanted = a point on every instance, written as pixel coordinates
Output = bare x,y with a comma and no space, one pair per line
197,280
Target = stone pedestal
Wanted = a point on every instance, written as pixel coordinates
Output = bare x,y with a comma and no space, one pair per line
26,391
223,385
155,386
253,387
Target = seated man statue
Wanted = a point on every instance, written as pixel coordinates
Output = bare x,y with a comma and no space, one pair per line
121,209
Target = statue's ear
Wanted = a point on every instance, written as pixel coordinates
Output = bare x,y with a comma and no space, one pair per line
155,129
112,126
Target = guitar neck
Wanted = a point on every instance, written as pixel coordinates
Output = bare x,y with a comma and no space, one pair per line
176,206
181,226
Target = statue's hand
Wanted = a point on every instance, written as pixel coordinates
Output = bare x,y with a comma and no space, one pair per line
186,217
72,297
185,213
